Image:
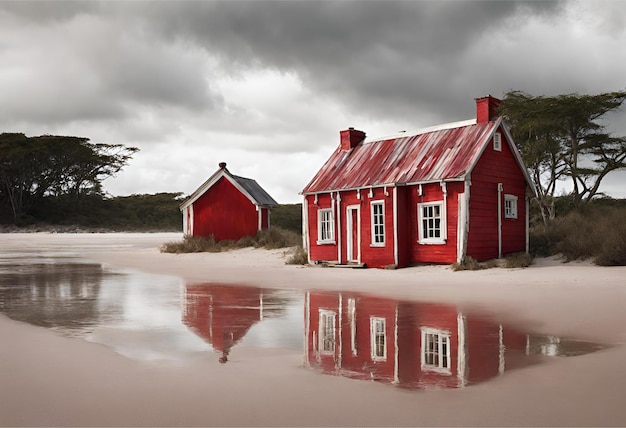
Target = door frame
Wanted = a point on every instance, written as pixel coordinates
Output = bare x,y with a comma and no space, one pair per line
349,236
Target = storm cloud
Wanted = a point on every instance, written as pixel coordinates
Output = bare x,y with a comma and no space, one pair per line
266,86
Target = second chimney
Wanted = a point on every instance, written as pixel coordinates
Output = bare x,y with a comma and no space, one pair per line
350,138
486,109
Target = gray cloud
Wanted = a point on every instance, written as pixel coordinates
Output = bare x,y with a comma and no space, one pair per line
270,83
391,57
73,62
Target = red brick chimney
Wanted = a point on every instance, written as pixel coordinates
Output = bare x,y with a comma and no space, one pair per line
486,109
350,138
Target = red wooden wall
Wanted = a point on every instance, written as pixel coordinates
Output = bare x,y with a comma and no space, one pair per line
224,212
492,168
372,255
434,253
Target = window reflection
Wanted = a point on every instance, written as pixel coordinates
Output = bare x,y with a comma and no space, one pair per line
417,344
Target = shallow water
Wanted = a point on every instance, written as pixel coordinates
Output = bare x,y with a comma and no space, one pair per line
155,317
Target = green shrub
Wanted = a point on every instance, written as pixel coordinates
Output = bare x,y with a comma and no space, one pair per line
288,216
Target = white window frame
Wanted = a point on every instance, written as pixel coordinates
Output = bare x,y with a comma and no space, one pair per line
423,239
326,331
325,235
378,239
510,206
435,357
378,332
497,142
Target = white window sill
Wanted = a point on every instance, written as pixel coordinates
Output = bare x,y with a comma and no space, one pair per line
378,244
510,217
440,370
326,242
379,358
432,241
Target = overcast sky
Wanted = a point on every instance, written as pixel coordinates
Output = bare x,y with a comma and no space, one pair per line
266,86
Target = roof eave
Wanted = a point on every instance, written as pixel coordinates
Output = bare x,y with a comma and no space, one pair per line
380,186
203,188
211,181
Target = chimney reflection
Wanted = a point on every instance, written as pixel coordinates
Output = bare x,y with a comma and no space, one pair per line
416,344
222,314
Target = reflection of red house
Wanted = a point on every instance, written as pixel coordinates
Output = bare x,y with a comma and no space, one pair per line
411,344
436,195
227,206
222,314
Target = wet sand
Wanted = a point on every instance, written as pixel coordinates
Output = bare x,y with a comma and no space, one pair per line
49,380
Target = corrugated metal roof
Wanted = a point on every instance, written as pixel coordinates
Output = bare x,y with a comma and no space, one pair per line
445,152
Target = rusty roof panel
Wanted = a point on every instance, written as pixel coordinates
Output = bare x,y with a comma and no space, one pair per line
434,154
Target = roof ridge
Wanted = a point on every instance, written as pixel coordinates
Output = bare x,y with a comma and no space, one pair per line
442,127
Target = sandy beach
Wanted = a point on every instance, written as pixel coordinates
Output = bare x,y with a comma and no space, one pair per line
50,380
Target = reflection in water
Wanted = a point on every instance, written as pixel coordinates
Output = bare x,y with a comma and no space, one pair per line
409,344
222,314
51,294
416,344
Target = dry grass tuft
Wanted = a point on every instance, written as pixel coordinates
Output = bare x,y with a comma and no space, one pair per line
269,239
298,256
593,232
518,260
468,264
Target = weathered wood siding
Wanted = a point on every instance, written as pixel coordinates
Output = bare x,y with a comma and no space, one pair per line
370,254
492,168
434,253
320,252
224,212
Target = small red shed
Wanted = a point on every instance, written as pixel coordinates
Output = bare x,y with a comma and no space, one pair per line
227,206
437,195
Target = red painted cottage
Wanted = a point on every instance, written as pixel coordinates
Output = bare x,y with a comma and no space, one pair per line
227,207
436,195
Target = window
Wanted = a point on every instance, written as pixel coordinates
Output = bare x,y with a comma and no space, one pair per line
327,331
378,223
325,227
510,206
378,339
497,142
435,350
432,224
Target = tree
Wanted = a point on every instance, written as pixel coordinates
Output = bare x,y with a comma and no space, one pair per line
562,138
32,168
